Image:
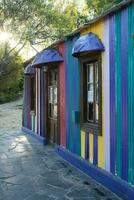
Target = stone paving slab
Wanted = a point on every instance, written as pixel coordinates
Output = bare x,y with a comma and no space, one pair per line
31,171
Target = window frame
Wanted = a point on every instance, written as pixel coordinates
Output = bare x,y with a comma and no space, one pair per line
95,128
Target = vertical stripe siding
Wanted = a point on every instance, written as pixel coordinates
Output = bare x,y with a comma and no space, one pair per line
74,65
62,97
28,102
131,92
76,101
24,104
112,93
95,150
36,118
42,120
124,91
37,89
114,150
91,147
118,90
77,72
39,106
83,144
72,103
69,94
106,96
66,93
87,146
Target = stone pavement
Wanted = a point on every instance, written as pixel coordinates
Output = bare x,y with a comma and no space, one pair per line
31,171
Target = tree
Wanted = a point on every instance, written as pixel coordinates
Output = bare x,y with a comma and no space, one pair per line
99,6
11,73
38,21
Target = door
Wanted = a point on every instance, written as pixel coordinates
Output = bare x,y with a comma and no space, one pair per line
52,106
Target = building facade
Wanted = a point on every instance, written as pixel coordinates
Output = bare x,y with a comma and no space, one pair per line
79,95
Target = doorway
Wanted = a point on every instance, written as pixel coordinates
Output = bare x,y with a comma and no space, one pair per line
52,106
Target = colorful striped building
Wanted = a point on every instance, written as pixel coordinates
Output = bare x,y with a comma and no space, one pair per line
79,95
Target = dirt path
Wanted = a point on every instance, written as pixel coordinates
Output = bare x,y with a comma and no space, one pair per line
11,115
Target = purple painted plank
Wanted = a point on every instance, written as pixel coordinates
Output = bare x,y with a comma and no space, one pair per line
95,150
66,93
87,146
112,93
124,91
106,96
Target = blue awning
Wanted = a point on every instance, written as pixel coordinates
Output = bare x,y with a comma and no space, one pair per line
47,56
29,70
87,43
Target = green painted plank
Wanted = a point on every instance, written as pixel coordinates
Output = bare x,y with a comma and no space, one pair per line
131,93
70,93
118,91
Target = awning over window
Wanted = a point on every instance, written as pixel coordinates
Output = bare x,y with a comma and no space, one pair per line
87,43
47,56
29,70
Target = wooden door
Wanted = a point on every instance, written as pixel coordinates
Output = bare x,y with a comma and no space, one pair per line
52,106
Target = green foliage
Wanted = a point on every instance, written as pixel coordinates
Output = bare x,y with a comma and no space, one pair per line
100,6
11,74
38,20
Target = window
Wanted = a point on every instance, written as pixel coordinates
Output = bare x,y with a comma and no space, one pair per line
52,94
91,97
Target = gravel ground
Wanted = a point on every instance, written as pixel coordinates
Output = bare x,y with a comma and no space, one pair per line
11,115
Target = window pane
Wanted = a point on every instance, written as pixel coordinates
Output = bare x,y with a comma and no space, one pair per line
50,93
96,72
51,110
90,92
90,111
97,112
55,94
97,93
55,111
90,73
50,78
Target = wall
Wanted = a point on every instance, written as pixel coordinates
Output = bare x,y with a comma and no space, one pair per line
114,149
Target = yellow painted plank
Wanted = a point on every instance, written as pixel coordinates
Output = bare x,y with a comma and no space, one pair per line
83,135
91,147
101,138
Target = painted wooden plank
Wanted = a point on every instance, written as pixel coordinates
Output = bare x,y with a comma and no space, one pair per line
95,150
39,131
118,91
83,137
42,106
101,138
62,119
112,93
36,114
124,91
28,102
76,100
131,92
86,146
70,96
66,92
106,96
91,147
